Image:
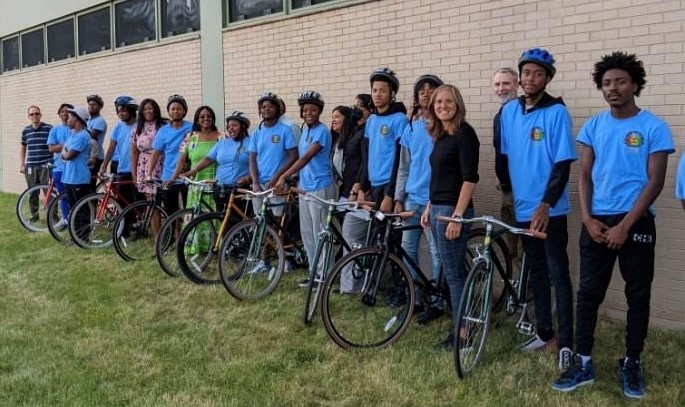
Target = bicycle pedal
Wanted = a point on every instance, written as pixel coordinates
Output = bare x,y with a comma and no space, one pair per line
526,328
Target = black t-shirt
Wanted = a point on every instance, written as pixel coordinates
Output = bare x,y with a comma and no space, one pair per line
454,160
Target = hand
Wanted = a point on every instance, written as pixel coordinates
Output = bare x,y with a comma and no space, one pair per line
189,174
352,197
386,204
426,217
453,230
399,207
22,168
616,236
540,218
168,184
280,184
361,196
256,187
597,230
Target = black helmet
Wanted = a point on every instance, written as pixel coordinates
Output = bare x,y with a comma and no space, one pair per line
433,80
179,99
127,101
538,56
385,75
96,98
268,96
239,116
310,97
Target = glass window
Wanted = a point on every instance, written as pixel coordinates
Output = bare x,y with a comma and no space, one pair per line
240,10
10,54
134,22
304,3
180,17
94,31
61,40
32,48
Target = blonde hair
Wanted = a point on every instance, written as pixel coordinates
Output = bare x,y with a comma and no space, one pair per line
435,126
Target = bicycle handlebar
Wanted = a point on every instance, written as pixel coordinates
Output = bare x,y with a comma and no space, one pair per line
266,193
490,219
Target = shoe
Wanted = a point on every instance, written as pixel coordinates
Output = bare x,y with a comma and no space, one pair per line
632,378
34,218
419,308
534,343
565,358
431,314
447,343
288,266
397,298
575,376
305,283
61,225
260,267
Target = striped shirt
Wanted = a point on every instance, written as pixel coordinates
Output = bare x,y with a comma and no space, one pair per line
36,142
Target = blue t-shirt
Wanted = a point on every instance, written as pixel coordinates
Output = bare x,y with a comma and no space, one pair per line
99,123
534,142
168,141
76,170
271,144
680,179
420,145
382,132
58,135
231,157
622,148
317,173
121,134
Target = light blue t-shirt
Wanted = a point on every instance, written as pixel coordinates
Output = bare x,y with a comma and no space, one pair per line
680,179
271,144
76,171
317,173
231,157
622,148
420,145
534,142
58,135
168,141
382,132
99,123
121,134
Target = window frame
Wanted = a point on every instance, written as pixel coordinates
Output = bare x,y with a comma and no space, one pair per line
161,35
21,46
2,52
81,13
116,45
287,12
74,50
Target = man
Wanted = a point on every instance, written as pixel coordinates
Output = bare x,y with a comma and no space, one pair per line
624,156
34,154
536,138
680,181
97,126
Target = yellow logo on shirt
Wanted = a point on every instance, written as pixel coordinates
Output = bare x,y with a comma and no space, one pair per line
537,134
634,139
275,139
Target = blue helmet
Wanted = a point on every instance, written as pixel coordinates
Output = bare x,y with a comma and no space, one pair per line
538,56
127,101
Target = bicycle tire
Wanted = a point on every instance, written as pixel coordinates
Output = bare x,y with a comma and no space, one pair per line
377,315
58,231
34,222
473,319
501,260
139,243
97,234
249,269
315,283
165,246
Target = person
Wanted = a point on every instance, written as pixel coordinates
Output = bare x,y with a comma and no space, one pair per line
150,120
316,177
505,85
624,156
412,188
680,181
34,154
272,149
167,144
536,138
454,174
56,138
97,126
364,103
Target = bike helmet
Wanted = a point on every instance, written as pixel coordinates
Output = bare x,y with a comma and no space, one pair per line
269,96
179,99
385,75
96,98
239,116
310,97
538,56
433,80
127,101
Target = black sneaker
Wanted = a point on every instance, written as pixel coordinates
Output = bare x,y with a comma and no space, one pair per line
632,378
447,343
397,298
304,283
431,314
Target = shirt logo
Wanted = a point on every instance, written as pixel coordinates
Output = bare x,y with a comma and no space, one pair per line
275,139
537,134
634,139
385,130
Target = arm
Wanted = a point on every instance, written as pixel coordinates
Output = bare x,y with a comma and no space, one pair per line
292,158
108,155
453,229
154,159
178,169
555,188
204,163
402,176
298,164
596,228
254,172
22,158
135,153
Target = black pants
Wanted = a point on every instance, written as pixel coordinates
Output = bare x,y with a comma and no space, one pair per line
130,193
174,198
94,173
76,192
636,262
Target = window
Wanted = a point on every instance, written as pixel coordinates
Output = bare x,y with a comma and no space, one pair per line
94,31
304,3
61,40
180,17
32,48
240,10
10,54
134,22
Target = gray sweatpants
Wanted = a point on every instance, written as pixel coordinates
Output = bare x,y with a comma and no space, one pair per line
312,216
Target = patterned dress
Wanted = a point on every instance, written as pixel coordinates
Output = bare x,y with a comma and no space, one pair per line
143,142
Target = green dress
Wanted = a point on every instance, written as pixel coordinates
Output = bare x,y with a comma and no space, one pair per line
196,150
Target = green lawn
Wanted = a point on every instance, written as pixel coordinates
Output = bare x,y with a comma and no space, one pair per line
84,328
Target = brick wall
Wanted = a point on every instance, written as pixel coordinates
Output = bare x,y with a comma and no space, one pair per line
464,42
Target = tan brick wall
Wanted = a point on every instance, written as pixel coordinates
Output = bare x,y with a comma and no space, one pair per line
464,42
154,72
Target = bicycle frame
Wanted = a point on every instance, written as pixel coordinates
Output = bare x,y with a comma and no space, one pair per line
110,193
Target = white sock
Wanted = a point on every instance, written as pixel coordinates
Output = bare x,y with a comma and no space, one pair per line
585,359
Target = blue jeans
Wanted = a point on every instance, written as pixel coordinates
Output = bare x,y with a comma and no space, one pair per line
63,203
451,252
547,261
410,243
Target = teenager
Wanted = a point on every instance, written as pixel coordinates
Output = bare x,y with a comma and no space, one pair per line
56,138
97,126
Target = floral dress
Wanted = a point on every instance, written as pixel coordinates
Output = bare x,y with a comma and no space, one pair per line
143,142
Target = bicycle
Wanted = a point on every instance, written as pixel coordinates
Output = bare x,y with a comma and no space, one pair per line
33,202
253,253
475,305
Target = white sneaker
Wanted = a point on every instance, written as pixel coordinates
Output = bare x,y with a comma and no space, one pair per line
534,343
565,358
61,225
260,267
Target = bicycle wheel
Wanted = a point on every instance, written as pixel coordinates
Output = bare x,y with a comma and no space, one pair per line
58,226
316,281
165,247
33,215
473,319
90,229
379,313
251,263
501,260
133,234
195,250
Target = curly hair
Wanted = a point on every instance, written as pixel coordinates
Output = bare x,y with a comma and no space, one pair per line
625,62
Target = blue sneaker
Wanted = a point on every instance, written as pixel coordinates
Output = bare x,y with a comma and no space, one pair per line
632,378
575,376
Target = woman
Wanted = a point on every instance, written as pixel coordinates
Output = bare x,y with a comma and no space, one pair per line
149,121
454,174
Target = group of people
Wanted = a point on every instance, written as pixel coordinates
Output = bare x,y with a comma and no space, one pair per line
425,161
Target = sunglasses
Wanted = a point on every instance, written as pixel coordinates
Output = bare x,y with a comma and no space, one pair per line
34,114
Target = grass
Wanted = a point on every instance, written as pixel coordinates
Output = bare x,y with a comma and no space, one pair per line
84,328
